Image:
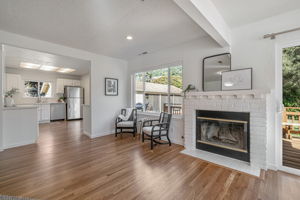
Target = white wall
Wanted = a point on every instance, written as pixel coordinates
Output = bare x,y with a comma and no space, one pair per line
37,75
190,55
1,96
248,49
103,109
85,83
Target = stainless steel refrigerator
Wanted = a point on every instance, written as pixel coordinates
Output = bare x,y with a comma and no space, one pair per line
74,99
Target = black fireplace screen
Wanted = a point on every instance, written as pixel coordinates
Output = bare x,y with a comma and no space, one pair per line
231,134
225,133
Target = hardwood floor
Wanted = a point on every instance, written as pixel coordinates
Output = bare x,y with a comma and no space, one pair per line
65,164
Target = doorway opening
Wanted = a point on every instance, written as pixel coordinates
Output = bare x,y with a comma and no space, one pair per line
291,109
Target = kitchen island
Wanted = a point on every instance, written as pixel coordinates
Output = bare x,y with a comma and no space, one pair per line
20,126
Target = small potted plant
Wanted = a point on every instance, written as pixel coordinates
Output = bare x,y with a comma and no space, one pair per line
8,100
61,99
189,88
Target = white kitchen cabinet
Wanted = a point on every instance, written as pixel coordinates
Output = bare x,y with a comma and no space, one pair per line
43,113
68,82
39,113
61,83
60,86
76,83
13,81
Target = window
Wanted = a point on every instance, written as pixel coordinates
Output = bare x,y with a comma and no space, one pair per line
37,89
159,90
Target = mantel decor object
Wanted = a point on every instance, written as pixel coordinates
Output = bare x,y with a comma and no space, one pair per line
240,79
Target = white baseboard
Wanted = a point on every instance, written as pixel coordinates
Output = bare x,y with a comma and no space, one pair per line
87,133
272,166
19,144
95,135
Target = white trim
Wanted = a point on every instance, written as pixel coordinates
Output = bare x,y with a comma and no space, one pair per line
95,135
2,84
289,170
19,144
87,133
278,95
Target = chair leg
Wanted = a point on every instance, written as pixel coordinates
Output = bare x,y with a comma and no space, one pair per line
151,142
169,140
116,132
143,137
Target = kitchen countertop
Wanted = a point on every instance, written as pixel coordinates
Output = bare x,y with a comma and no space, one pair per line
29,106
20,107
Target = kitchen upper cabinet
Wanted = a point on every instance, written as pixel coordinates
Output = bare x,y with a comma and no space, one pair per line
13,81
61,83
76,83
68,82
60,86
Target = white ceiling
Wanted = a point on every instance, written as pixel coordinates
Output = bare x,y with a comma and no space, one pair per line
14,56
101,26
239,12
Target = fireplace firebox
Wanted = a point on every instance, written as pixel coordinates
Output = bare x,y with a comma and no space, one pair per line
224,133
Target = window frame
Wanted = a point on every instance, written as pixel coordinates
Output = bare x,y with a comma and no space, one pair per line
168,67
39,82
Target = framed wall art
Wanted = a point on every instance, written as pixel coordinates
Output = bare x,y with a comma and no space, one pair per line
240,79
111,87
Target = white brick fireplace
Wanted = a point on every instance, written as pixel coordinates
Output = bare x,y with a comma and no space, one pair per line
252,101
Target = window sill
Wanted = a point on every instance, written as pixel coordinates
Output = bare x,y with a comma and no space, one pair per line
157,115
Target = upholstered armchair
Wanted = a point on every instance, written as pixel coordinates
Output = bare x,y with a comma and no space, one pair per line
126,122
154,130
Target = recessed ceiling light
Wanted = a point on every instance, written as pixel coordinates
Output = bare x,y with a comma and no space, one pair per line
66,70
48,68
29,65
129,37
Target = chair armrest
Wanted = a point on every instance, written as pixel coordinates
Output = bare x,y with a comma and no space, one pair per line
149,121
118,120
160,125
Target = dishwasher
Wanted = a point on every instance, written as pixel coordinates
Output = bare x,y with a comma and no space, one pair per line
57,111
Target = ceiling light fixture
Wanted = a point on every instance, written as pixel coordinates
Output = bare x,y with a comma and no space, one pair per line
228,84
129,37
48,68
29,65
65,70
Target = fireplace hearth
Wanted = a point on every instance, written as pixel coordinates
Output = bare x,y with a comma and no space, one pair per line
224,133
